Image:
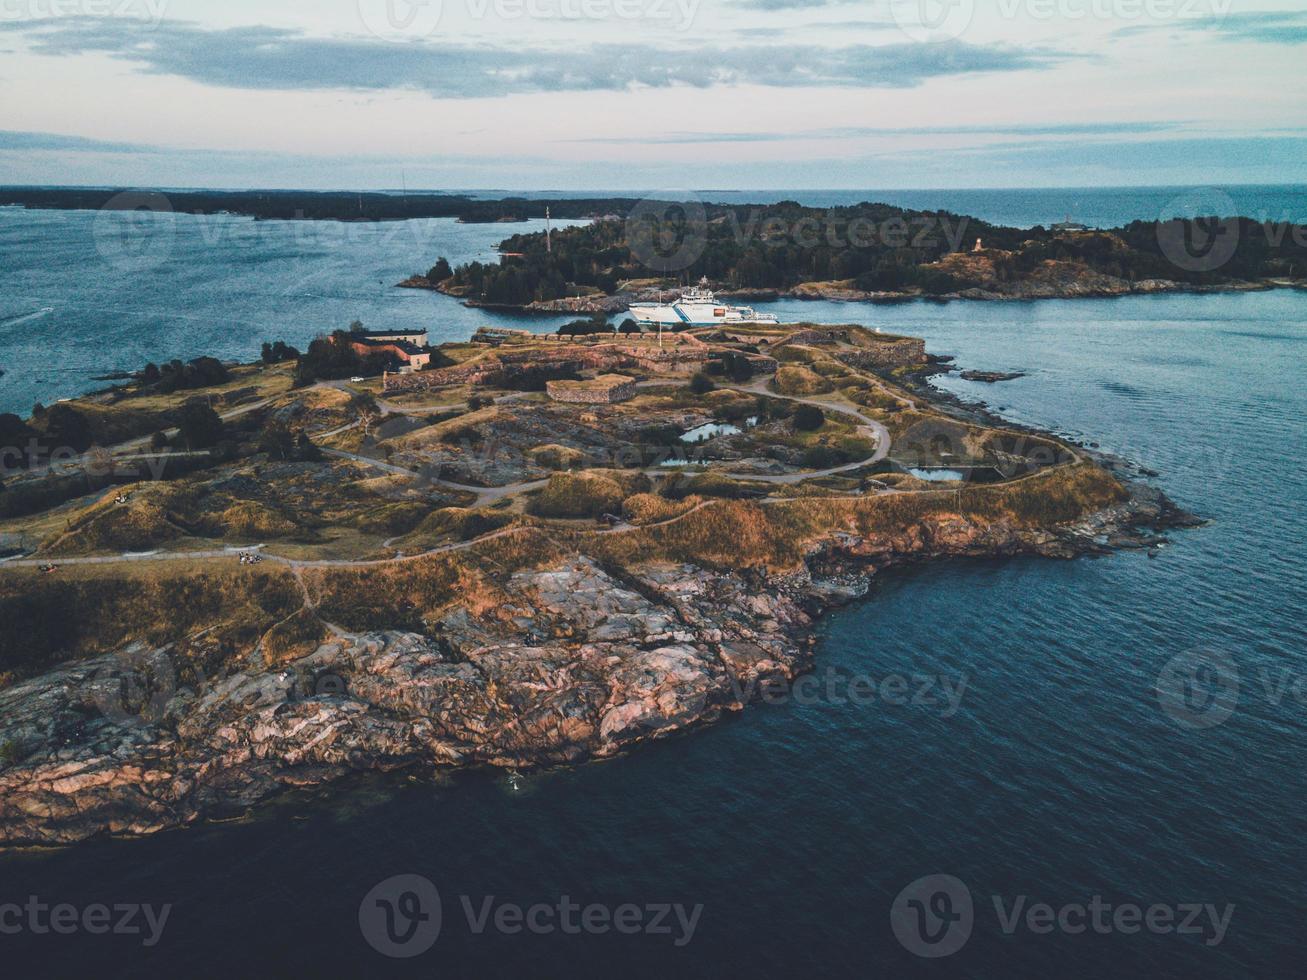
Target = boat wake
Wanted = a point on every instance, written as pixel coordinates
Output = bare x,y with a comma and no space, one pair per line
25,317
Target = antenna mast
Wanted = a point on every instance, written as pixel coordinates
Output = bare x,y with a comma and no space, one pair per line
549,244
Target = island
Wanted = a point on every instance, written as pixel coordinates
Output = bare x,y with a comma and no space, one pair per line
226,583
864,253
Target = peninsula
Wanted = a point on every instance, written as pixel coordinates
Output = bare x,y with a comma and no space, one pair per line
230,582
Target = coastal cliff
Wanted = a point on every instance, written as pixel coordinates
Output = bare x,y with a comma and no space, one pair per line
583,657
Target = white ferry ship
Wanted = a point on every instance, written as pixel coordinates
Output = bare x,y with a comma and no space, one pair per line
698,307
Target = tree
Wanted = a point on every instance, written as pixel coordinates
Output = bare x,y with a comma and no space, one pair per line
151,374
200,427
67,428
279,351
277,441
440,271
701,384
736,366
629,326
357,327
15,441
366,408
809,418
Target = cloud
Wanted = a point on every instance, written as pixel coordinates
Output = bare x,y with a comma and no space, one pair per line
790,4
1266,27
1263,27
274,58
13,140
855,132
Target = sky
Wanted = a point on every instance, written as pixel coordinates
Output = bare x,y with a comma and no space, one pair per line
652,94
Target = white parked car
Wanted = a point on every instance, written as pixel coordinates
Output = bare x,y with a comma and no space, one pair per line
356,381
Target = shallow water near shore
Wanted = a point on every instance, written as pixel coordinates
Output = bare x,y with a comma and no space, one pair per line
1055,775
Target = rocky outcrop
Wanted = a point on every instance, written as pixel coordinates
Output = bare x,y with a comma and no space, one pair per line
579,662
992,377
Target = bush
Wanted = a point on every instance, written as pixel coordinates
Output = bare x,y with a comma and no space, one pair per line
809,418
274,353
701,384
556,457
579,495
792,379
821,458
200,427
681,486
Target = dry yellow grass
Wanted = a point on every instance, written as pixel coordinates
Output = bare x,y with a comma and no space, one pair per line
649,508
794,380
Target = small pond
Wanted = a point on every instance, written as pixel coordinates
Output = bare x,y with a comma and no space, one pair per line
714,429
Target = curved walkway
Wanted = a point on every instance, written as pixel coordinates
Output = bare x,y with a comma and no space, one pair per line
869,427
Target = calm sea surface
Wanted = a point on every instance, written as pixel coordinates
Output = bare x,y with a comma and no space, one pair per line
1059,777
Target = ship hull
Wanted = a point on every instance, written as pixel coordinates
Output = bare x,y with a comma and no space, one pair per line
697,315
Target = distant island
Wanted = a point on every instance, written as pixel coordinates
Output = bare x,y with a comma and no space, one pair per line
241,581
865,252
287,205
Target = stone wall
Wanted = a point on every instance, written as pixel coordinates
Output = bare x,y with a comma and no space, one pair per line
592,392
891,352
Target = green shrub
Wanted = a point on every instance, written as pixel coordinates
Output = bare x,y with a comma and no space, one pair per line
809,418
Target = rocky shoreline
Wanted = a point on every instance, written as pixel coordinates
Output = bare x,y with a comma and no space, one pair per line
1083,284
582,662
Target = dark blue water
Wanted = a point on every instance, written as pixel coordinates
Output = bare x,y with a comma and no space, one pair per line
84,293
1059,777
